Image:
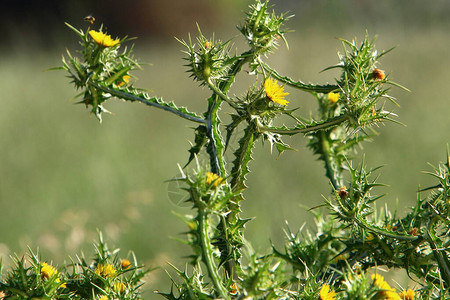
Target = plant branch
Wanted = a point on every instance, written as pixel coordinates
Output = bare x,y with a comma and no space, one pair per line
219,93
131,97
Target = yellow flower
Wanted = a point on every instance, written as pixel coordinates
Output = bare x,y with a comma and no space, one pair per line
47,271
275,92
407,295
208,44
103,298
103,39
125,263
119,287
105,270
326,293
125,80
213,178
386,291
333,97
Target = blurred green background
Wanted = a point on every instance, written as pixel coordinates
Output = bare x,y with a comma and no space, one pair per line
63,175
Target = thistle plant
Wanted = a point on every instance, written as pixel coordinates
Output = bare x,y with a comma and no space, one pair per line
107,276
343,257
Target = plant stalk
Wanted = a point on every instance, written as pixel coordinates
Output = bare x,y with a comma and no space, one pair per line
207,256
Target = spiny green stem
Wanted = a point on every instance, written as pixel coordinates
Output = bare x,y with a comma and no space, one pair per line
212,119
442,260
381,232
131,97
207,256
219,93
243,59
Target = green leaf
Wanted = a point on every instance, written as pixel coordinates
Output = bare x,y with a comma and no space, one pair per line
312,88
201,140
243,156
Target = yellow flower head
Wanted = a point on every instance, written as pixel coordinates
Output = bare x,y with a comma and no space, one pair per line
103,39
333,97
125,263
214,179
105,270
326,293
103,298
119,287
47,271
275,92
208,44
407,295
386,291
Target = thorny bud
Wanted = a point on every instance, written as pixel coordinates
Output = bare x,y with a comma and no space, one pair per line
262,29
209,61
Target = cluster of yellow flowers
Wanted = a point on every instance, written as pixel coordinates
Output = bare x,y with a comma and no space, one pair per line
48,271
385,292
105,270
214,179
389,293
385,289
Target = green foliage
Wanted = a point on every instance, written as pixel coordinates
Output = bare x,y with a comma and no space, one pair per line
338,261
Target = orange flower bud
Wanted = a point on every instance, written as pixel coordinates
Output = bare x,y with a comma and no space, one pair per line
378,74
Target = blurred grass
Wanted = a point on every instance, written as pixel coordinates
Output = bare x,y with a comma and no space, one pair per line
63,175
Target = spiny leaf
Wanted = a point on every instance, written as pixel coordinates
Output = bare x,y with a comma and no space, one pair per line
243,155
200,141
299,84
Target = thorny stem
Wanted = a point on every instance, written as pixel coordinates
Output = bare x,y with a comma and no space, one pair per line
207,256
409,238
442,261
222,95
131,97
212,119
